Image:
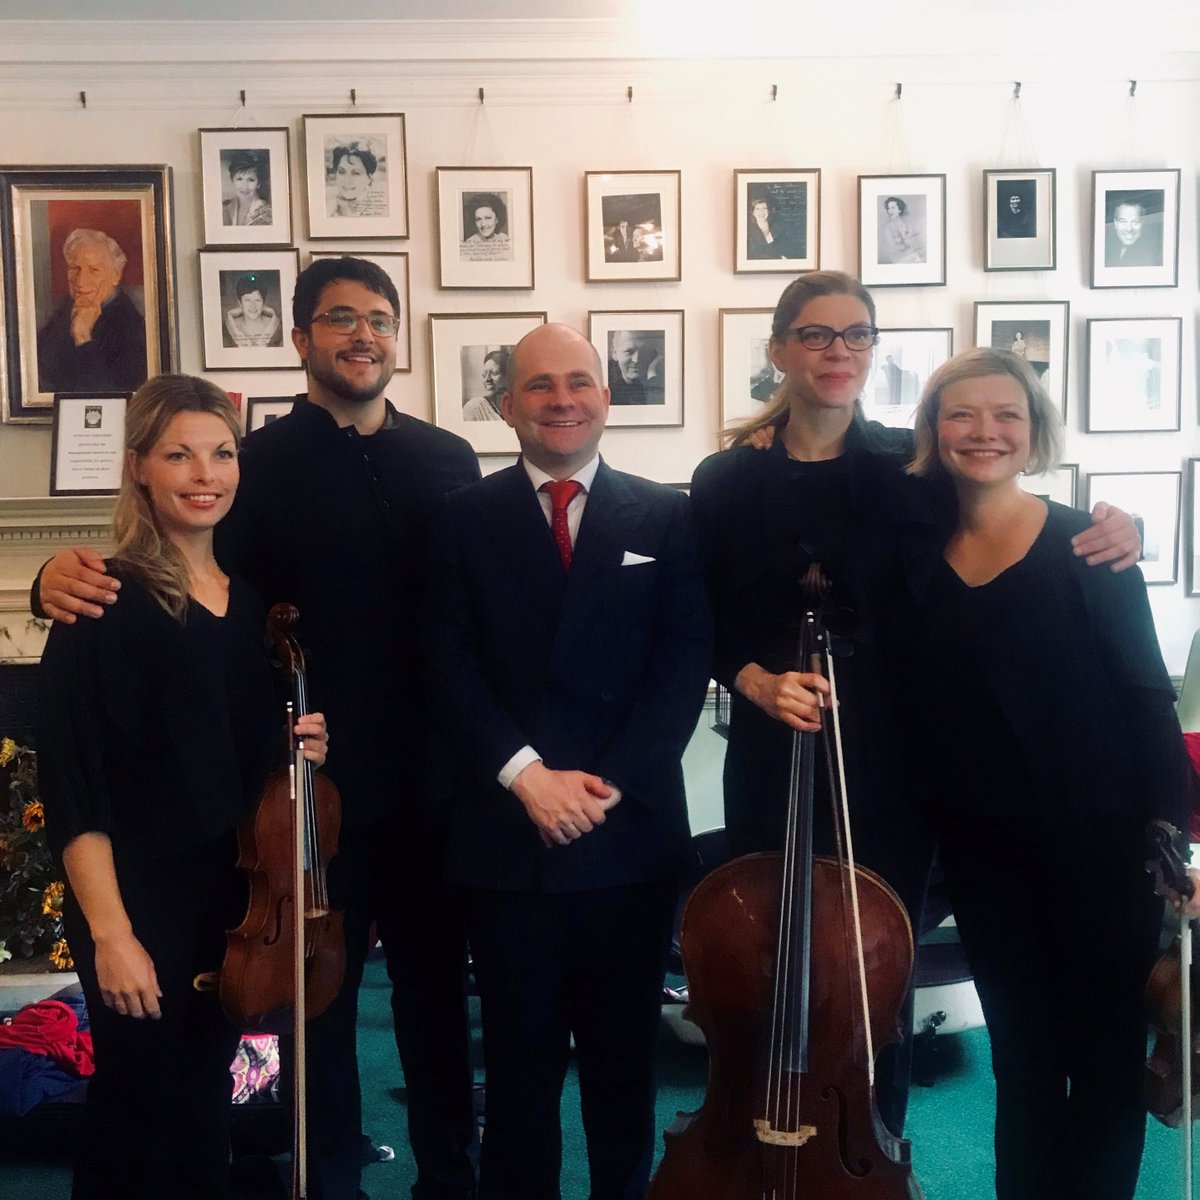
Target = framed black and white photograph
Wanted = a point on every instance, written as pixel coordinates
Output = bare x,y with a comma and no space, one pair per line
777,221
1193,527
87,444
87,283
469,354
245,181
1152,498
485,227
246,308
642,354
1037,331
632,226
356,175
1060,484
1019,220
902,230
748,376
1133,371
903,361
262,410
1135,228
395,266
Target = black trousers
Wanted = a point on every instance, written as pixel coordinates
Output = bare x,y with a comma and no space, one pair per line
588,964
1061,933
157,1116
391,876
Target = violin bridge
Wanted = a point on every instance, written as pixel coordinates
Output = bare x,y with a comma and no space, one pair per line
770,1136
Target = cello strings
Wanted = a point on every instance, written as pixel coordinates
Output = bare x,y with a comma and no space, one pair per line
858,941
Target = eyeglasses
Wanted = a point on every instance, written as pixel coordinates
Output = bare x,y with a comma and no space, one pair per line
820,337
345,320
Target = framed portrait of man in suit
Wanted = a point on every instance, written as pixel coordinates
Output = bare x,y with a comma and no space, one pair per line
1135,228
642,358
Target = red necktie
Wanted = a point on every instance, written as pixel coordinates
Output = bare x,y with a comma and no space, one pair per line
561,493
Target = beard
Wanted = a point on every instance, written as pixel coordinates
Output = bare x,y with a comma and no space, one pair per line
325,373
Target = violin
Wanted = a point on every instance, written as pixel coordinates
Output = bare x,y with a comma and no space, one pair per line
289,953
797,967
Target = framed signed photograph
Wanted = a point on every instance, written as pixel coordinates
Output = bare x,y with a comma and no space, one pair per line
356,175
1151,497
1060,484
632,226
902,230
395,266
748,376
1037,331
245,181
485,227
262,410
87,283
1135,228
246,308
777,221
1019,220
1193,527
87,444
1133,370
469,355
903,361
642,353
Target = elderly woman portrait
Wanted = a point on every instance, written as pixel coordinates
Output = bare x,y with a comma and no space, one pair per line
493,377
354,187
95,339
250,186
251,321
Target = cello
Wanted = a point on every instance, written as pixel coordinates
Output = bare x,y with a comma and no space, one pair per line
797,967
289,952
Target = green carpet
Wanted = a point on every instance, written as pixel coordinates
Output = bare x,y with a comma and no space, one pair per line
949,1122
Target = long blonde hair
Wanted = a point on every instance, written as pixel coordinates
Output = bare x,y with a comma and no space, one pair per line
791,303
143,550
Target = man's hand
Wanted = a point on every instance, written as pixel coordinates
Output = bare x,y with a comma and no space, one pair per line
1112,538
564,805
76,582
126,975
796,698
83,321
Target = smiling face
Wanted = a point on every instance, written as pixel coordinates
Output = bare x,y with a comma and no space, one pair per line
1127,223
984,431
555,401
831,378
485,221
352,178
354,366
633,352
493,380
252,305
893,209
245,183
91,274
1014,204
190,474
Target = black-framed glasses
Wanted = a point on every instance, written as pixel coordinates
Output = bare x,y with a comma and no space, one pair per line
820,337
345,320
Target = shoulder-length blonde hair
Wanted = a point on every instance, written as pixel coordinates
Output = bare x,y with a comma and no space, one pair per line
1045,425
791,304
142,548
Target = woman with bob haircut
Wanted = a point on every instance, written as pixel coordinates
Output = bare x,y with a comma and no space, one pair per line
250,203
1050,741
832,489
158,727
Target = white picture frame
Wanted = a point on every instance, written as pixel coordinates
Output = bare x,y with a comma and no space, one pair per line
902,363
485,227
394,264
258,347
632,226
1152,497
1038,331
233,216
1134,368
641,355
902,230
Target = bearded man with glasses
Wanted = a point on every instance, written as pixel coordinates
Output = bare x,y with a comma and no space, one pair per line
333,515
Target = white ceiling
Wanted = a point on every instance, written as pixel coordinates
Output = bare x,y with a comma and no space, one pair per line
309,10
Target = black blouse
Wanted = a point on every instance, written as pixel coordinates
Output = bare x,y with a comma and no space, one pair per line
157,732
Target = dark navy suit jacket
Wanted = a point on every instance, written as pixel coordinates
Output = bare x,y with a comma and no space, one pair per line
601,670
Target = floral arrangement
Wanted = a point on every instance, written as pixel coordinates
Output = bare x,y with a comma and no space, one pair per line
31,892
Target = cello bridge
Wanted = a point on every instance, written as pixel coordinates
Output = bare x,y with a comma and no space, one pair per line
770,1136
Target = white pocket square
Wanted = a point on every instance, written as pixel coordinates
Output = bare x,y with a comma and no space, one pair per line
632,560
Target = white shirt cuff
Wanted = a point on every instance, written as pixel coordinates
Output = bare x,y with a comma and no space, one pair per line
516,764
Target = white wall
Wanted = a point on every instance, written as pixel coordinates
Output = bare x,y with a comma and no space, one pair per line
565,116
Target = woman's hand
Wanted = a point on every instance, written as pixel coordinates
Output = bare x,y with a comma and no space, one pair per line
311,727
797,698
126,975
762,438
